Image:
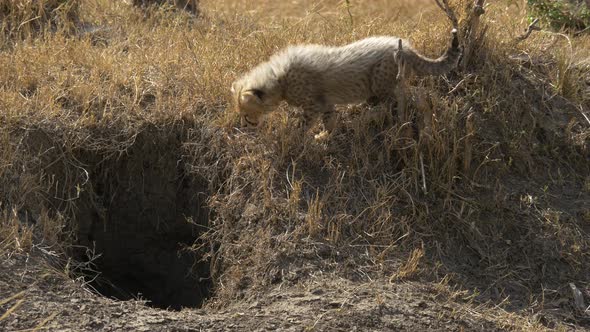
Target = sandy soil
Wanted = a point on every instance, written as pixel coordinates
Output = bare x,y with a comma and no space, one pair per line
38,298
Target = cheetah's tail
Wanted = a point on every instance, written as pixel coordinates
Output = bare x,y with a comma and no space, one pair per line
426,66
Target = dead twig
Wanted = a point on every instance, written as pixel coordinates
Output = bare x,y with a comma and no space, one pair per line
471,33
347,2
11,309
444,6
42,324
15,296
581,31
468,152
532,27
424,188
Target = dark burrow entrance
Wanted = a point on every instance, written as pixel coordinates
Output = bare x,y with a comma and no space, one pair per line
141,212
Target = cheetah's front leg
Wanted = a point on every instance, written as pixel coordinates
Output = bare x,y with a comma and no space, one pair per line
329,118
312,110
314,107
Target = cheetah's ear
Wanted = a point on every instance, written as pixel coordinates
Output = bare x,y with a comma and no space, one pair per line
252,96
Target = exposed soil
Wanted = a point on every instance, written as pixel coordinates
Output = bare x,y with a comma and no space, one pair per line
52,302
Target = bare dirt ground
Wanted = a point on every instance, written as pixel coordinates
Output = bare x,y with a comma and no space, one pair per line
44,300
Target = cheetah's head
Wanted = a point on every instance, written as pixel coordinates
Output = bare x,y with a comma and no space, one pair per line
250,106
253,101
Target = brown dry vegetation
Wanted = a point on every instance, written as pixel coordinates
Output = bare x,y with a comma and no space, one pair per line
25,18
188,5
481,202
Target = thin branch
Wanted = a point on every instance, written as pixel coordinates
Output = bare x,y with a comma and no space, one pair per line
478,9
444,6
424,188
471,34
532,27
349,13
581,31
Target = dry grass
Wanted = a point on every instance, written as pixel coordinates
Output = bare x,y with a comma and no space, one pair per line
191,6
25,18
492,185
410,268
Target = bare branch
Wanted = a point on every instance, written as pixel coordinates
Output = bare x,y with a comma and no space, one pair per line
347,2
532,27
444,6
582,31
472,33
478,9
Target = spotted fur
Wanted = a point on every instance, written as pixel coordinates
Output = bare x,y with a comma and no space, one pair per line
316,77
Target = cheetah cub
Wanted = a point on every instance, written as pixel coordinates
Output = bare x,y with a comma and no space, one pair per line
316,77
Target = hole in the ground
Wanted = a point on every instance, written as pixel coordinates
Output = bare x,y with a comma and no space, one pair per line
135,218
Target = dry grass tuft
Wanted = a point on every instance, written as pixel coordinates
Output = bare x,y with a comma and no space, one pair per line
189,5
410,268
26,18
